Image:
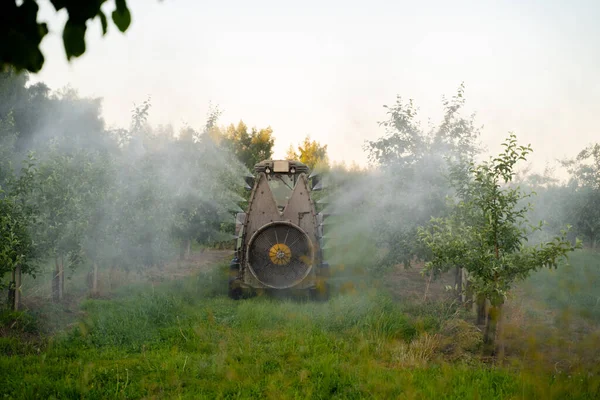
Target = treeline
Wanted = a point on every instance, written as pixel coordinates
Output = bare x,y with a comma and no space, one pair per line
74,192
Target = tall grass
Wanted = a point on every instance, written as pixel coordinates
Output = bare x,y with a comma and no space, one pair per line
186,339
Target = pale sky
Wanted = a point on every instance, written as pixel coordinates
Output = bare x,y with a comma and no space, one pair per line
326,68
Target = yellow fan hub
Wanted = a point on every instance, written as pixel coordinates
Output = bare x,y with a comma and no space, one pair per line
280,254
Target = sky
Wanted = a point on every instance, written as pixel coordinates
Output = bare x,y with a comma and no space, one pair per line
326,68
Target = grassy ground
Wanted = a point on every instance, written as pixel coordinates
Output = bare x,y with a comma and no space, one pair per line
184,338
573,288
554,316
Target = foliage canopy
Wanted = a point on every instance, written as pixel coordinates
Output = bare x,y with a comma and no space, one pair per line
22,34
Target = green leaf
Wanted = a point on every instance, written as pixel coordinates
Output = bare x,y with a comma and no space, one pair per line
103,21
121,16
121,5
74,39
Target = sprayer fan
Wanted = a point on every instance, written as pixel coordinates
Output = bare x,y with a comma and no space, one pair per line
280,255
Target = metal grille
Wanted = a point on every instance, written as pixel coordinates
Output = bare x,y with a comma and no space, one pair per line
280,255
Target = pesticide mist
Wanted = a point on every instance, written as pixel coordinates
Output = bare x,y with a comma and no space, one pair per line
116,245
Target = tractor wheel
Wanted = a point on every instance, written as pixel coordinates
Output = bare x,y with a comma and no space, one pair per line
235,290
321,292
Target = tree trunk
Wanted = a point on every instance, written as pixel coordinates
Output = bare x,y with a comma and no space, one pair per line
470,301
427,286
111,275
95,279
56,281
465,297
61,290
17,282
188,251
458,284
492,340
481,310
182,250
461,284
12,285
500,332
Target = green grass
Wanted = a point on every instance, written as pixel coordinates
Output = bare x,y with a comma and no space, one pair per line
186,339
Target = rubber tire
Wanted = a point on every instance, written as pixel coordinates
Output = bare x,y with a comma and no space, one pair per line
235,291
320,295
